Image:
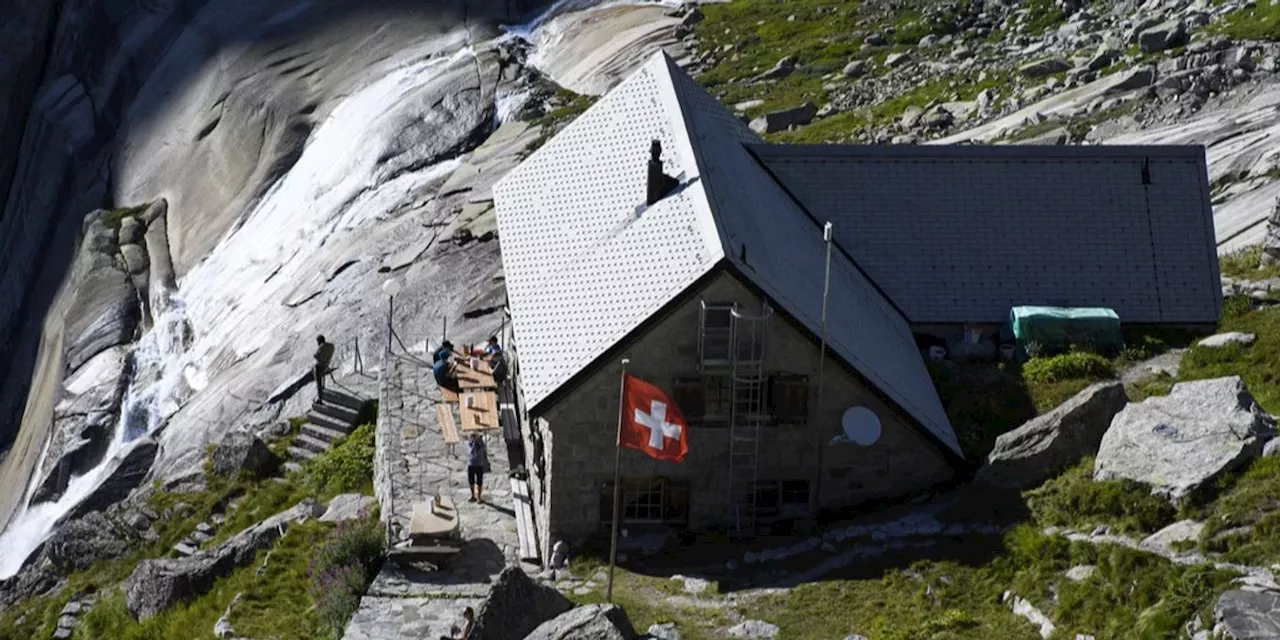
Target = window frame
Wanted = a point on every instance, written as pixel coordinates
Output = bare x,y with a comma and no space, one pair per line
778,383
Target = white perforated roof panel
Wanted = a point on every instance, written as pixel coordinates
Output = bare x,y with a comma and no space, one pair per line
584,264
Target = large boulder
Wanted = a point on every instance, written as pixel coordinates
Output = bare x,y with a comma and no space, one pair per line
1247,615
775,121
591,622
1179,442
128,474
1163,36
1044,446
242,451
349,506
158,584
516,606
83,542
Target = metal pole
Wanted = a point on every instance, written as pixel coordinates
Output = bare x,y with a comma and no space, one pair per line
391,310
617,481
822,361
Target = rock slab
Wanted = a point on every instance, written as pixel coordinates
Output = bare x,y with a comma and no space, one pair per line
81,543
243,451
591,622
1044,446
348,506
1220,340
156,585
1179,442
1248,615
516,606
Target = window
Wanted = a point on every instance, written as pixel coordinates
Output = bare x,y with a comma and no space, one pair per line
689,397
748,399
647,500
717,323
795,493
716,397
767,494
789,398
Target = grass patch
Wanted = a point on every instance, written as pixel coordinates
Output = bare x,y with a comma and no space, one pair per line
1246,264
1255,364
645,600
1261,21
1074,500
347,467
1248,502
571,105
1078,365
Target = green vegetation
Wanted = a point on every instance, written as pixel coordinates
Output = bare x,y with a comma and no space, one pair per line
1256,21
1256,363
1246,264
282,602
1076,365
1249,508
1074,500
571,105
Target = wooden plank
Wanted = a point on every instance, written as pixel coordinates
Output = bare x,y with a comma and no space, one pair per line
447,425
479,378
449,395
524,519
483,414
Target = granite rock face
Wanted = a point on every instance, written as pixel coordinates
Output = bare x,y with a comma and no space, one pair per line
516,606
590,622
1248,615
81,543
1044,446
1179,442
242,451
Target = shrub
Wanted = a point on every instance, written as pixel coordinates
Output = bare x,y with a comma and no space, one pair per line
343,567
346,467
1067,366
1075,500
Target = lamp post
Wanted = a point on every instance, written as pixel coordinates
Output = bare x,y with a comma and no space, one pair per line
391,287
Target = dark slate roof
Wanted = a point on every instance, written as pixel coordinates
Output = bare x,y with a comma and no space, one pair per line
965,233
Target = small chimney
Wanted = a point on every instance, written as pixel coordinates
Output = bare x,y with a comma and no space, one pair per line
660,184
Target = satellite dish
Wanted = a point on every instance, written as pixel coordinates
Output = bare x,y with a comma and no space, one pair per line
861,426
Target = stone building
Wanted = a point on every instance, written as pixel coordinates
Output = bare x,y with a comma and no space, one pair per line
706,269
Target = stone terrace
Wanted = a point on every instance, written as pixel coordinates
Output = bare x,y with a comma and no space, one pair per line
412,462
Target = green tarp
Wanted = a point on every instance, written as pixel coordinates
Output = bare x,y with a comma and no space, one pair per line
1057,328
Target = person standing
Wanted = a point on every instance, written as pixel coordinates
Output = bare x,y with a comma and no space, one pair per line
324,355
477,465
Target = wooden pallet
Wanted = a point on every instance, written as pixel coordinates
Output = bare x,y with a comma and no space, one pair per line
524,520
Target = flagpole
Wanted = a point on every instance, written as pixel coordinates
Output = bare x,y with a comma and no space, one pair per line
822,361
617,481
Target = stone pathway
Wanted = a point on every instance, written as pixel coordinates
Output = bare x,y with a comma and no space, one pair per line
412,463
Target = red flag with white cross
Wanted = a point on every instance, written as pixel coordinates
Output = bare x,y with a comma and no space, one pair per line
651,422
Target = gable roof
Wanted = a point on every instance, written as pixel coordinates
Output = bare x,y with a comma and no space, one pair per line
586,263
1018,225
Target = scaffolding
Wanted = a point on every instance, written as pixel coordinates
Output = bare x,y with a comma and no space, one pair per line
734,341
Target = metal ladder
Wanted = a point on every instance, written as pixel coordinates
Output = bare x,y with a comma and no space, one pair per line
747,414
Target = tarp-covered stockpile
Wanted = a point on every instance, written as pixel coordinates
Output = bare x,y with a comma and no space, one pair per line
1057,328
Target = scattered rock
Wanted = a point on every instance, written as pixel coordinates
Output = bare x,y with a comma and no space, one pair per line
1046,67
158,584
1162,541
516,606
1229,338
895,60
83,542
1177,443
1130,79
1080,573
1025,609
348,506
222,628
1272,448
782,69
241,450
754,629
664,631
1163,36
855,69
785,119
1248,615
590,622
1044,446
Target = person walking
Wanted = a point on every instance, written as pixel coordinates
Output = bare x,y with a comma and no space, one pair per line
324,355
477,465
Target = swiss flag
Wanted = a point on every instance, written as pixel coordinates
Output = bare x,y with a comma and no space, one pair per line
651,422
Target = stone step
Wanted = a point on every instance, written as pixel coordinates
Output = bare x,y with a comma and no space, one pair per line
323,433
339,398
327,422
298,453
292,467
340,413
311,444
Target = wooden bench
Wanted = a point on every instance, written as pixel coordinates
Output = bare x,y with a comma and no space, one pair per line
524,519
449,395
447,426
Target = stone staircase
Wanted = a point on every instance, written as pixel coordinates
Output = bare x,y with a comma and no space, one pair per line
326,424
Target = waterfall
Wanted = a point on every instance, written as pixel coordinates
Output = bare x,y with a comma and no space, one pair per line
159,385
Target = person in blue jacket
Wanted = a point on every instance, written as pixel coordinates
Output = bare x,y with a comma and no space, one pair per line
445,371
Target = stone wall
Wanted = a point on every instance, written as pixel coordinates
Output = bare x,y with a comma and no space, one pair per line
388,458
584,424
